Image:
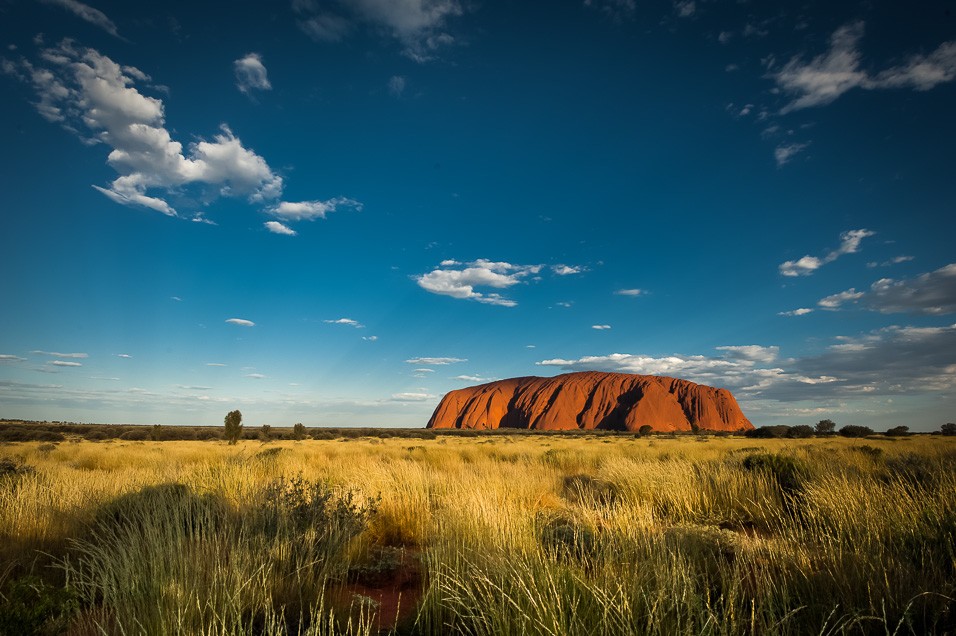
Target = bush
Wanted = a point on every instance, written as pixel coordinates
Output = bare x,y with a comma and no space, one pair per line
898,431
787,471
298,432
800,432
948,429
825,427
645,430
852,430
32,606
767,432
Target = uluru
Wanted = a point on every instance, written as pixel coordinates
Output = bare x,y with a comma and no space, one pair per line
591,400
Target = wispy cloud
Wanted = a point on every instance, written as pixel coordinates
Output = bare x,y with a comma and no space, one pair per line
601,327
251,74
896,260
242,322
370,338
567,270
412,397
65,363
630,292
123,355
87,13
254,376
7,358
435,361
57,354
806,265
420,26
459,280
471,378
396,85
829,75
311,210
802,311
215,364
785,152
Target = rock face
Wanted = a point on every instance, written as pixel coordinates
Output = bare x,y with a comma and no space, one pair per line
590,400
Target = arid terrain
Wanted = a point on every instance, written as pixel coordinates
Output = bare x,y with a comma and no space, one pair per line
494,534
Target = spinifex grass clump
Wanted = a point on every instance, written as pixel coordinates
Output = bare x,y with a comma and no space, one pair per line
530,534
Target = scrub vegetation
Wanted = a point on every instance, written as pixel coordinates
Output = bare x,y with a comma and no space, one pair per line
498,534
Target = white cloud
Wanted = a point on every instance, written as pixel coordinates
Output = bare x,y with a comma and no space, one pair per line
567,270
412,397
802,311
6,357
278,228
89,92
896,260
630,292
242,322
564,303
64,363
345,321
461,283
311,210
601,327
435,361
254,376
849,244
828,76
123,355
88,13
215,364
370,338
176,298
396,85
424,370
617,10
57,354
251,74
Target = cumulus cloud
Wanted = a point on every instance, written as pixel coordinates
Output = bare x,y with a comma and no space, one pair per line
98,99
242,322
932,293
345,321
311,210
251,74
278,228
828,76
435,361
895,360
802,311
420,26
630,292
87,13
459,280
849,244
601,327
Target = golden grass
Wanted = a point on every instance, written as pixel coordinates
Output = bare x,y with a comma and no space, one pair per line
530,534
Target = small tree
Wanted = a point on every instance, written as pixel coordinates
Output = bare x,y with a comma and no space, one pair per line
825,427
266,433
233,426
156,433
948,429
800,431
898,431
298,432
645,430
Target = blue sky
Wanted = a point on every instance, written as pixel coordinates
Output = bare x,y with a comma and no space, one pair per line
335,212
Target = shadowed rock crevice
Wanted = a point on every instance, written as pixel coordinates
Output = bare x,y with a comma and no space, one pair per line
591,400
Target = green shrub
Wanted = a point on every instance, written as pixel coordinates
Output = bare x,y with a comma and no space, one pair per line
853,430
29,606
787,471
